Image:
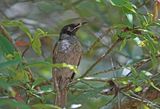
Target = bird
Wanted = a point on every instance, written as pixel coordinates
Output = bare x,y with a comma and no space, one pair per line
67,50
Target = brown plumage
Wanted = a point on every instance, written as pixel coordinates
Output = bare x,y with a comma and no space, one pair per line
67,50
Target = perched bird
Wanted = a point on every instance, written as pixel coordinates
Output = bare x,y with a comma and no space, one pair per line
67,50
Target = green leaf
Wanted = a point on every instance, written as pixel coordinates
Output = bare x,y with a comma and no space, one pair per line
134,71
9,63
155,87
145,21
46,89
119,2
98,1
58,65
4,84
140,43
138,89
10,23
21,75
151,46
18,23
39,33
16,59
45,106
146,73
126,4
130,18
5,45
145,106
123,44
124,82
36,43
13,104
25,30
37,81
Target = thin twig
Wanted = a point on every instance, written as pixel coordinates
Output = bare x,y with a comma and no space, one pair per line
6,34
135,65
139,98
101,58
108,71
93,45
25,50
100,37
87,84
80,90
96,79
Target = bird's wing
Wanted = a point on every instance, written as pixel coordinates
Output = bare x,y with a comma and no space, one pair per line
53,51
77,66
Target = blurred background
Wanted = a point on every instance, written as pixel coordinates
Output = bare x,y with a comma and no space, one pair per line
105,23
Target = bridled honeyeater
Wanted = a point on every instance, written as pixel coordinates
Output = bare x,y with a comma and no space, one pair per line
67,50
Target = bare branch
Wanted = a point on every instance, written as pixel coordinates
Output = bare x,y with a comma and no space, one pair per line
101,58
141,99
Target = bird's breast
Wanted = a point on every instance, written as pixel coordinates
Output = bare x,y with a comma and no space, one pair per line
68,51
64,46
69,45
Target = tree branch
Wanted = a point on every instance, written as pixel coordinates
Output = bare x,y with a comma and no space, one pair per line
101,58
141,99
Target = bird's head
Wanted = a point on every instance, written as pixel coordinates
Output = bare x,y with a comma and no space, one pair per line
71,29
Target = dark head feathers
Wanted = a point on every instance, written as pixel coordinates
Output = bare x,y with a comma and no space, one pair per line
71,29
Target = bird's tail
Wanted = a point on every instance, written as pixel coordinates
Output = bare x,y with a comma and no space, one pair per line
61,98
61,89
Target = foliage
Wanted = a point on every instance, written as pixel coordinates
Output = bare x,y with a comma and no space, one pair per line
120,60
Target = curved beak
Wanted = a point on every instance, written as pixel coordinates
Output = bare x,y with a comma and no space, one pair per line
82,23
79,25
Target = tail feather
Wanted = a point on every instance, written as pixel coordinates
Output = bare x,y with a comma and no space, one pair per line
61,89
61,98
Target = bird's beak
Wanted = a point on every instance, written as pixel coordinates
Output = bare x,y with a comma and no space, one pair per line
83,23
80,24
